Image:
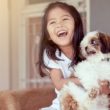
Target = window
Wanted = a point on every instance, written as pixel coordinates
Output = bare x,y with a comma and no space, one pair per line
31,26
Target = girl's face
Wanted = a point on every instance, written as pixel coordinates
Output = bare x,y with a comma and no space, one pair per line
60,26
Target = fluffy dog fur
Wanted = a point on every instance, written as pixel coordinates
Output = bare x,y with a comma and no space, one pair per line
95,48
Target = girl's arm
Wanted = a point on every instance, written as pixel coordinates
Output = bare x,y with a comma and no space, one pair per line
58,80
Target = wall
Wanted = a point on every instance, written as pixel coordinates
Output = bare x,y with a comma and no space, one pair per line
4,46
15,15
100,15
10,47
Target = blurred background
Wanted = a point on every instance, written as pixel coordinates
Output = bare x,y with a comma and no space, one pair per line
20,25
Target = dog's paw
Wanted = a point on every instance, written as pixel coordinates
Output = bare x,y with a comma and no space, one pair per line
93,93
69,103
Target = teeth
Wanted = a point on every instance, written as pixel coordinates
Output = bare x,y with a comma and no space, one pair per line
62,33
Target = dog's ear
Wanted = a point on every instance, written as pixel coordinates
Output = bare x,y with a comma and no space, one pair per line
105,42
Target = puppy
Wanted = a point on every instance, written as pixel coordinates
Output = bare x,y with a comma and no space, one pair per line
95,48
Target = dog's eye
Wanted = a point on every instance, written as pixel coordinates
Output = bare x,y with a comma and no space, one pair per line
94,42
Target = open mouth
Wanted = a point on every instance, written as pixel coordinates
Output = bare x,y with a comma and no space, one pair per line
91,52
62,33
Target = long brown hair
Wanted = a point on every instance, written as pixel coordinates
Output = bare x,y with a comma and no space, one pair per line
50,46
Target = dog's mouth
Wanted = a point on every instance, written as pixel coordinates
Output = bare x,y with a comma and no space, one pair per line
91,53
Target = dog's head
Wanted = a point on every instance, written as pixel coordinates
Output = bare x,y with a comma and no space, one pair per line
95,42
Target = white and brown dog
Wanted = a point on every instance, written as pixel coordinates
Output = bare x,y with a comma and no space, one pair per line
95,48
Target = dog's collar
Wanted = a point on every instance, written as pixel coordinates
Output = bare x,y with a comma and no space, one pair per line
106,59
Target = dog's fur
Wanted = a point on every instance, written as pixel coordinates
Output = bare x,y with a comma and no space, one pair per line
95,48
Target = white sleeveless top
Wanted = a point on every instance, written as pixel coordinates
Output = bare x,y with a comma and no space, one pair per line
64,66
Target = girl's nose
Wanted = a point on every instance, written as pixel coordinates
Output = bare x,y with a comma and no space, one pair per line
59,24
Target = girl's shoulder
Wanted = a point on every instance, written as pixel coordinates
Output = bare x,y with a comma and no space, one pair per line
49,62
60,55
57,53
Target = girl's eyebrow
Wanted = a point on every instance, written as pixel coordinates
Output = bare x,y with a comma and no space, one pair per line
61,16
51,19
66,15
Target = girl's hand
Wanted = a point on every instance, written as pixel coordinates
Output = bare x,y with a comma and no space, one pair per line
104,87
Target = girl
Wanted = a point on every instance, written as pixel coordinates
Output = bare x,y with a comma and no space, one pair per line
62,32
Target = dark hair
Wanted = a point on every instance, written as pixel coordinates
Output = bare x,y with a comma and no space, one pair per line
50,46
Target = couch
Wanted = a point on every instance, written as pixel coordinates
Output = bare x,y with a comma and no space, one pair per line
28,99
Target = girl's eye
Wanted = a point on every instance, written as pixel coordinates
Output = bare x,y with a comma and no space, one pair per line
64,19
52,22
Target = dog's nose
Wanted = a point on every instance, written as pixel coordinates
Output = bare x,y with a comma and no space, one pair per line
86,48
